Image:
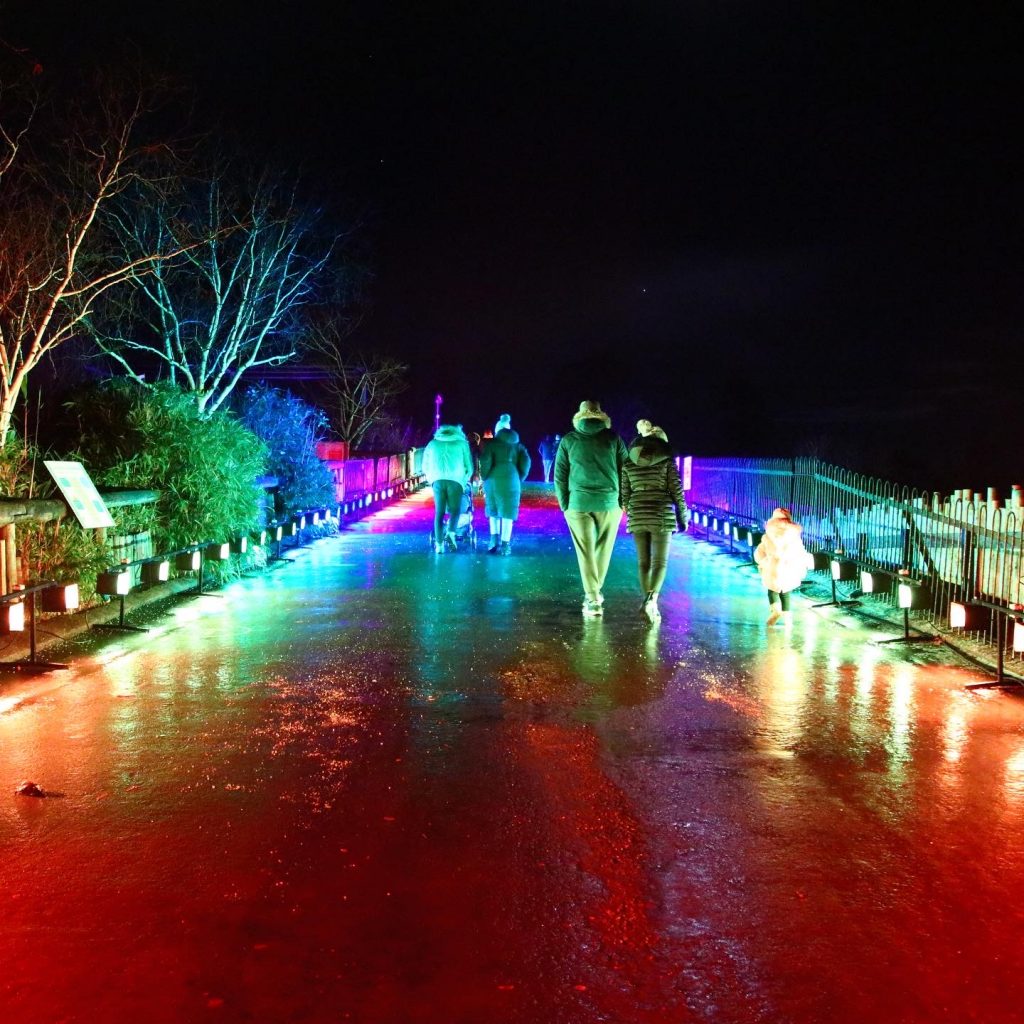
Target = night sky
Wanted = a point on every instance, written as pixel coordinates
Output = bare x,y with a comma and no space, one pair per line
775,229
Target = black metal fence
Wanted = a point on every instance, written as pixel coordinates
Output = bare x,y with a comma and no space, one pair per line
966,547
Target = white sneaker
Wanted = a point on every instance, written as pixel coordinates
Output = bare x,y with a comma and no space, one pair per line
651,609
591,608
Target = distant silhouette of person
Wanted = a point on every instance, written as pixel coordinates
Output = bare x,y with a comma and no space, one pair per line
652,494
588,466
504,463
448,467
782,559
547,449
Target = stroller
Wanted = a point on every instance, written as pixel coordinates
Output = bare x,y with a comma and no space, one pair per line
464,530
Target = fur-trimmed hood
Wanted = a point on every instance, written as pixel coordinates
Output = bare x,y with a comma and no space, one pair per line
449,432
648,451
590,418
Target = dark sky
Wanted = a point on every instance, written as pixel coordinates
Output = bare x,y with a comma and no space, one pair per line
774,228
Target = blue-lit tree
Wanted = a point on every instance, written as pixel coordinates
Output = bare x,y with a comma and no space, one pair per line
232,303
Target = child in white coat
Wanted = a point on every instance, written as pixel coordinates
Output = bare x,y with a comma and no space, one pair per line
782,559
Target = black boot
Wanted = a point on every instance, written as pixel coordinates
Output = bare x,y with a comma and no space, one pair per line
492,548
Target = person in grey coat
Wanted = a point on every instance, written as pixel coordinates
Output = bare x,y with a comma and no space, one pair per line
448,466
504,464
652,495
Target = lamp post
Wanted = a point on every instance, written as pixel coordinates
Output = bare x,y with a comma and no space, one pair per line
438,402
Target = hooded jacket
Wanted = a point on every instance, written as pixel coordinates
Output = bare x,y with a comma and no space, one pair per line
652,492
781,555
504,463
588,465
447,456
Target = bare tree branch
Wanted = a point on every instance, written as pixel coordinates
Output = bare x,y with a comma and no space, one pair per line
362,385
232,302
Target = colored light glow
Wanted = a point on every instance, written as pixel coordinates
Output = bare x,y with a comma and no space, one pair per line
219,552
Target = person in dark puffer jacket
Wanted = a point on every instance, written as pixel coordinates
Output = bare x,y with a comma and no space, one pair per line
652,494
504,464
588,467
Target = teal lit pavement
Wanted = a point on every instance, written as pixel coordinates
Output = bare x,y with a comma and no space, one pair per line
381,785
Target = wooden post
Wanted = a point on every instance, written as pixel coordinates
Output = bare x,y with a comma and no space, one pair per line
10,559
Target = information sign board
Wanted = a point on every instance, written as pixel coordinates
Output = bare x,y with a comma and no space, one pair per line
80,493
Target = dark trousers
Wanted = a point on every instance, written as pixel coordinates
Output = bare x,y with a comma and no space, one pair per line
652,558
776,598
447,498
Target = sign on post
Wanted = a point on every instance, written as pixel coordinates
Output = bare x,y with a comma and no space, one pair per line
80,493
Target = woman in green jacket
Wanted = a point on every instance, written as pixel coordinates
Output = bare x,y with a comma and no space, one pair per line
652,495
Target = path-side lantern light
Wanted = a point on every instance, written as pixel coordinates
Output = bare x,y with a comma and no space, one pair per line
276,533
114,583
1018,636
189,561
913,596
12,617
60,598
875,581
739,531
972,617
754,537
239,545
158,571
259,538
820,561
291,529
218,552
316,518
844,571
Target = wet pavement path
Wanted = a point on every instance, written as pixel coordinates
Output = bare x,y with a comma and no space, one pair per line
378,785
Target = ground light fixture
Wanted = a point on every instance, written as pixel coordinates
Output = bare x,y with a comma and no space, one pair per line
114,583
259,538
239,545
218,552
188,561
739,531
61,597
844,571
911,596
970,616
754,537
1018,636
12,617
819,561
277,534
157,571
875,581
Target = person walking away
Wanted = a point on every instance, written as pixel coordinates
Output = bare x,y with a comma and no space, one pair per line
448,466
588,467
547,449
782,560
652,495
504,423
504,464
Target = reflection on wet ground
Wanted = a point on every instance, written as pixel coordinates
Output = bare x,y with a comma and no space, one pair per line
379,785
